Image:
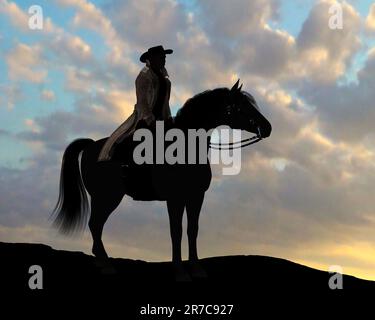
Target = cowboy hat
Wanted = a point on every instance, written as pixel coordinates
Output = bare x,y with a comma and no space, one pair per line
154,50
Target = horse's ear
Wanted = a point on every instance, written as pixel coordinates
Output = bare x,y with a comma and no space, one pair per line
235,87
240,87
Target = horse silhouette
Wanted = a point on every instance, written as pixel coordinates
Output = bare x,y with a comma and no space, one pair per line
182,186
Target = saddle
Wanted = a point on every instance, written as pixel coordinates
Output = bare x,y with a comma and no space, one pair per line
138,179
148,182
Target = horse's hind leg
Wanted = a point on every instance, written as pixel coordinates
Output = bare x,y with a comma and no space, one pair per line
101,207
193,208
175,211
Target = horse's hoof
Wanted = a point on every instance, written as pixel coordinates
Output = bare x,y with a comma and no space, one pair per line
197,271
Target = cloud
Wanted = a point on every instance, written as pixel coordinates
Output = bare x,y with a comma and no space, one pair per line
317,53
24,63
95,117
326,52
267,53
18,17
238,18
346,112
51,37
10,94
75,49
370,20
47,95
91,17
4,132
131,19
79,80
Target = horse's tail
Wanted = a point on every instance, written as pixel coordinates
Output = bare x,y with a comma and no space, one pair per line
71,211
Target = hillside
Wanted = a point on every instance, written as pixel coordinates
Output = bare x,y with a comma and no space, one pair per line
231,279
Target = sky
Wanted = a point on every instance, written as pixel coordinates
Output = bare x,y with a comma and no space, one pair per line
305,194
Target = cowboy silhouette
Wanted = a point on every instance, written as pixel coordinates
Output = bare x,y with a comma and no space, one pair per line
153,89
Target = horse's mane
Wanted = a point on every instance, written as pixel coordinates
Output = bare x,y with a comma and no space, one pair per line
206,98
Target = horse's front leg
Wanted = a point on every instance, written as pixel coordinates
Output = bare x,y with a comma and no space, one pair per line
193,209
176,209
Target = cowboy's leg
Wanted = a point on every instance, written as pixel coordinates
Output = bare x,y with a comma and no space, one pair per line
106,151
116,137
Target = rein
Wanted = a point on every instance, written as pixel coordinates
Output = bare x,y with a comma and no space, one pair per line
234,145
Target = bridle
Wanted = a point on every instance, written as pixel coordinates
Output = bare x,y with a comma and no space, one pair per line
234,145
237,144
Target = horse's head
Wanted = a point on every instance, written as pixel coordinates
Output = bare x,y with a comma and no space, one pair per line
240,111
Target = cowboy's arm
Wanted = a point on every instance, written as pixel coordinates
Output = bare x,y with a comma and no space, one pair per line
143,87
169,119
